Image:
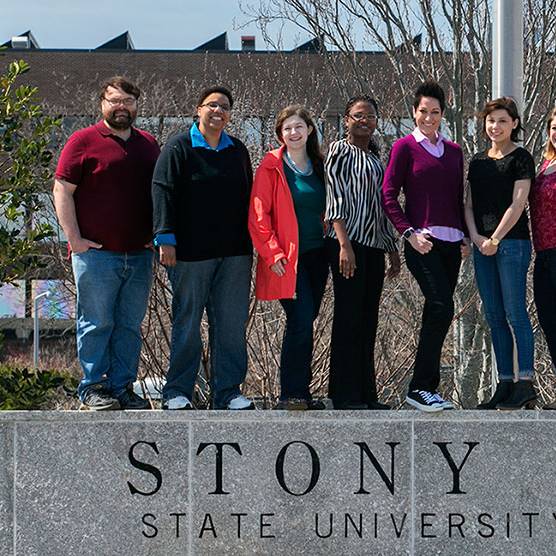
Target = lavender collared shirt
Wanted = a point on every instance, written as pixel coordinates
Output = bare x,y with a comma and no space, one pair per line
443,233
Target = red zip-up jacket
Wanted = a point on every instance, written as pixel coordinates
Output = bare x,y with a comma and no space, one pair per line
273,228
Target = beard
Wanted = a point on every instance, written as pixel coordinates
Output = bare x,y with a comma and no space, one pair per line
120,119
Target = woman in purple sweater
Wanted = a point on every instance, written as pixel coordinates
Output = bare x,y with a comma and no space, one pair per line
429,169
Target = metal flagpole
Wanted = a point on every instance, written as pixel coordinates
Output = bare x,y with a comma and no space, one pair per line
507,50
507,75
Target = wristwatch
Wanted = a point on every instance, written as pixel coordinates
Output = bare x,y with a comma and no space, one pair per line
408,233
494,241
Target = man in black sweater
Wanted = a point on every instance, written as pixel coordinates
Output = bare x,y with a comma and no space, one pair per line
201,188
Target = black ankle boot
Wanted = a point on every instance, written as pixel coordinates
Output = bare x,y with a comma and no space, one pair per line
523,396
503,391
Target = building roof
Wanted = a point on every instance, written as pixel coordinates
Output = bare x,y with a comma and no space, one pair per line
32,42
314,45
219,42
121,42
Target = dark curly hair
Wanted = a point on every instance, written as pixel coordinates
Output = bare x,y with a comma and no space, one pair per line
215,89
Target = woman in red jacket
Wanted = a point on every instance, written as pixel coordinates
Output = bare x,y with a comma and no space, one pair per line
285,222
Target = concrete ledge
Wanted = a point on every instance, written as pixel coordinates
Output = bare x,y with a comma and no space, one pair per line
270,482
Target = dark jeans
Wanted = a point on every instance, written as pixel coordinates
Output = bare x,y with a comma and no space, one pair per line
544,282
301,312
356,301
222,287
437,275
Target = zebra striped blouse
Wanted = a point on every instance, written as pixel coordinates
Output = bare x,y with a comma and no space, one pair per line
353,193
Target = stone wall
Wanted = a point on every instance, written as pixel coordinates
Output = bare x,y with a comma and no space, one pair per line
213,483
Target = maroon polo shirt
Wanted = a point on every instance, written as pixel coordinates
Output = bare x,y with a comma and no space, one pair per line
113,178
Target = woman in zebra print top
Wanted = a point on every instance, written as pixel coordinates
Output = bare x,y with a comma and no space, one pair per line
356,242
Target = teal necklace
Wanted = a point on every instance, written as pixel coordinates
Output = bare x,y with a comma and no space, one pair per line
296,168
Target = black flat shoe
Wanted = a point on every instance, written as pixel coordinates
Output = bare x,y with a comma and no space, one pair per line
292,404
351,406
315,405
378,405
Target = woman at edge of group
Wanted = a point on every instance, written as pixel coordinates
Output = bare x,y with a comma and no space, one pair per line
542,204
499,182
429,168
357,239
285,223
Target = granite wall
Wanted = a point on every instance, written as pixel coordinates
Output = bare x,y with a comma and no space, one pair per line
334,483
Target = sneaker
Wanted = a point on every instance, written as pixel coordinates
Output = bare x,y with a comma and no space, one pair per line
315,405
444,403
176,403
293,404
130,400
240,402
423,400
97,398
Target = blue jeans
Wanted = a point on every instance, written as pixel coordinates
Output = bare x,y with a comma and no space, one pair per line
301,312
222,287
112,294
501,280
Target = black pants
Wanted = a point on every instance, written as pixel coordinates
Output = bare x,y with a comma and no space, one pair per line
356,301
544,283
437,276
301,312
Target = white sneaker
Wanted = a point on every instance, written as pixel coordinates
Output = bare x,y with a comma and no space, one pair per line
241,402
179,402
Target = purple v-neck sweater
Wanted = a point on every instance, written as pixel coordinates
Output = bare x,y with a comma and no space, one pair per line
433,187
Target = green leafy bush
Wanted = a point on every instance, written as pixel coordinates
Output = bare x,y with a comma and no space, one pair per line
29,389
26,141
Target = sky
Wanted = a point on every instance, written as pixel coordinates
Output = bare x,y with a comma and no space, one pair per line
153,24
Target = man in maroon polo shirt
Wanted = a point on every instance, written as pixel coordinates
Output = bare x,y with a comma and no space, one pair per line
103,202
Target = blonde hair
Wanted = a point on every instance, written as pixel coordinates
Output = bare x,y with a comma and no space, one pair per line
550,151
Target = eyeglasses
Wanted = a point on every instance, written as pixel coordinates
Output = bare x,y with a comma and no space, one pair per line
360,117
129,101
216,106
